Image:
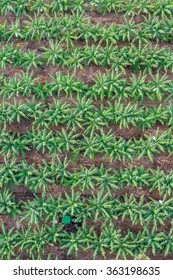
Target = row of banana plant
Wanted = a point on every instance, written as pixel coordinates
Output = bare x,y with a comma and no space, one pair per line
21,7
85,116
105,144
70,28
98,207
109,85
57,171
34,241
137,58
164,8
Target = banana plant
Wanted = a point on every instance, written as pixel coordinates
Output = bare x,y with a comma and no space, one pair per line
104,6
74,60
109,234
133,176
167,243
90,147
120,149
163,8
65,141
54,233
155,214
7,6
151,146
35,28
74,120
72,204
53,208
158,114
34,211
123,246
39,6
93,122
59,6
72,242
55,54
90,55
13,144
8,205
127,30
84,179
137,88
21,7
8,242
41,139
153,240
109,34
56,113
159,85
14,31
99,207
17,112
24,172
60,169
97,245
131,209
41,180
162,182
68,84
106,181
154,28
36,241
31,59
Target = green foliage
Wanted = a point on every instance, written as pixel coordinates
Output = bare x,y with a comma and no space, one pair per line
86,128
8,204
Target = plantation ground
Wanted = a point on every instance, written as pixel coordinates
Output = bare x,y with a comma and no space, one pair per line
95,236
